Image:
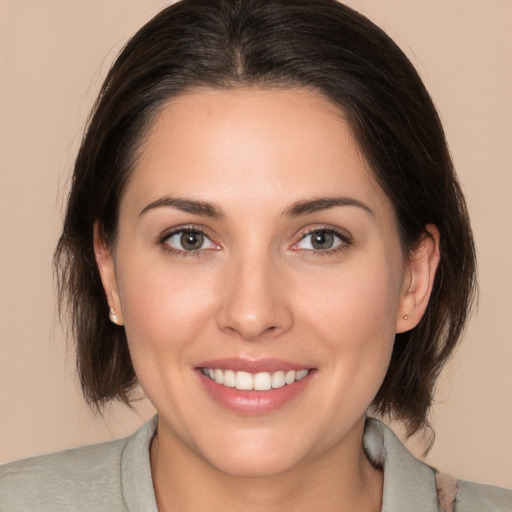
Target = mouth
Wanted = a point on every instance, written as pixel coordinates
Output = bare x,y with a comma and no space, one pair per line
252,388
262,381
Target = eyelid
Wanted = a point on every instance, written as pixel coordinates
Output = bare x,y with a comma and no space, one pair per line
187,227
342,235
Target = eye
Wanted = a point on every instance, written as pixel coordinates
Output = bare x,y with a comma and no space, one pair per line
188,240
320,240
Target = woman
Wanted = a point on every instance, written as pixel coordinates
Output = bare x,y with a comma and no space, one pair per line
265,232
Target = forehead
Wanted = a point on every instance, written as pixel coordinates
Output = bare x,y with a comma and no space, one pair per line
255,145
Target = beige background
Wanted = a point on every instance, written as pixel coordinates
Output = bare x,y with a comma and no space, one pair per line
53,56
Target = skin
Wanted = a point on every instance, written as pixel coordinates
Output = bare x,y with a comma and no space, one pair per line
256,289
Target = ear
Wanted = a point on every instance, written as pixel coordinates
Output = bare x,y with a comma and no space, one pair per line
419,280
105,262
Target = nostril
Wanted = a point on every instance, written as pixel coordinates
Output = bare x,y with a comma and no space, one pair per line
253,334
252,312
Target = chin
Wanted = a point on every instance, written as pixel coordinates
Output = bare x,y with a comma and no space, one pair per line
252,457
254,466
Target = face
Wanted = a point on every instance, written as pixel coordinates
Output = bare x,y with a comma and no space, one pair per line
260,278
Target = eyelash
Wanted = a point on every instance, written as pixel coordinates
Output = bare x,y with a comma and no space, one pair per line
344,238
182,252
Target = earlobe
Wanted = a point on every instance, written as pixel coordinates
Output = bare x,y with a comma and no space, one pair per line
105,262
423,262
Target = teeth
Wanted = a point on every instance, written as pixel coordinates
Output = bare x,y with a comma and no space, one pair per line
301,374
218,376
229,379
290,376
278,380
262,381
245,381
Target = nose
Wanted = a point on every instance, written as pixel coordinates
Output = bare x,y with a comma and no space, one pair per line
253,301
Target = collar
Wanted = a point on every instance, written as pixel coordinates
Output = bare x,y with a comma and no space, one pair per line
136,481
409,484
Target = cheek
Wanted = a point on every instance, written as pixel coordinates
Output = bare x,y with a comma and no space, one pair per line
354,317
354,307
164,309
358,339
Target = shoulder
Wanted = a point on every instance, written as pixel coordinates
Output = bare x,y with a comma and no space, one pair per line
61,481
463,496
86,478
473,497
410,484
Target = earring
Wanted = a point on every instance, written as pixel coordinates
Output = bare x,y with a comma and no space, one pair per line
406,317
113,317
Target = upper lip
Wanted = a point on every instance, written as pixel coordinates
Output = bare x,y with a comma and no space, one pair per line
252,365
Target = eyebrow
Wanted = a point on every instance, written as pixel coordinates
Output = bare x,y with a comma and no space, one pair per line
297,209
186,205
300,208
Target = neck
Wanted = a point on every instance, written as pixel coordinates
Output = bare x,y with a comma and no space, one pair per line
341,480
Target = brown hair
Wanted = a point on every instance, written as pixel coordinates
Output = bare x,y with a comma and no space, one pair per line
318,44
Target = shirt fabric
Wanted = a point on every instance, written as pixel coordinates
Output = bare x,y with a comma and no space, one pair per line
116,476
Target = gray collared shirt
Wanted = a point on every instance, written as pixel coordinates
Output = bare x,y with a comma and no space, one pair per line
116,476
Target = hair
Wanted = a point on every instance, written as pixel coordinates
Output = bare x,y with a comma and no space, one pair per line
320,45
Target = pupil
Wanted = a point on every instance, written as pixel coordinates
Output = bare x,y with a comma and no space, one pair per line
191,240
322,240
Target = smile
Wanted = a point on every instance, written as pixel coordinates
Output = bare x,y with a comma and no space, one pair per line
263,381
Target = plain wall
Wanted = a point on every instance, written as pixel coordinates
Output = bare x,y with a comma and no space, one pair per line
53,57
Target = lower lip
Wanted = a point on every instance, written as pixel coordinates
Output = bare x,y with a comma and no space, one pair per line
252,403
